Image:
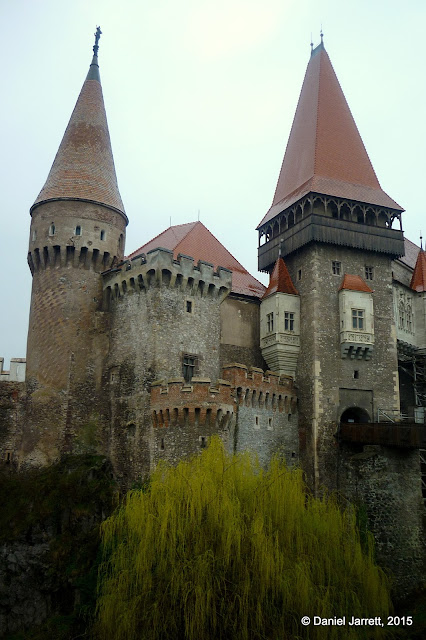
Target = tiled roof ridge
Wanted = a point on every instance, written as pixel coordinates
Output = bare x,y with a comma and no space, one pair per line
353,282
171,228
217,240
203,245
418,280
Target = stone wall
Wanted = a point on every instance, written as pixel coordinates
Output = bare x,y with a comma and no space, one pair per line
240,331
12,422
266,413
322,373
385,482
186,415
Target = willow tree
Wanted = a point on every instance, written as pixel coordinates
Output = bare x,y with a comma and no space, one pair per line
217,548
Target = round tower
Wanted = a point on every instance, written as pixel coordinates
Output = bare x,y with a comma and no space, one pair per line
77,231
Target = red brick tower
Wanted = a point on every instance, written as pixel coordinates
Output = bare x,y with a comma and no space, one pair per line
77,231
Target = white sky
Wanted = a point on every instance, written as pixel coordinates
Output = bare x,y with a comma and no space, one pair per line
200,97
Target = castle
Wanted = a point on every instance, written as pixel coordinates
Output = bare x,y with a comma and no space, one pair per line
144,357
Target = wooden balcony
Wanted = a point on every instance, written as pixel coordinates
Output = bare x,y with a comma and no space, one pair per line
317,228
405,435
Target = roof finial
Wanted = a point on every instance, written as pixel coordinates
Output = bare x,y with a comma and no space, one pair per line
280,253
97,35
322,35
312,44
421,241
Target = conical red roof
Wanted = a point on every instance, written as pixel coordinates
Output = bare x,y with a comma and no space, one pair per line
83,168
354,283
280,280
418,280
195,240
325,153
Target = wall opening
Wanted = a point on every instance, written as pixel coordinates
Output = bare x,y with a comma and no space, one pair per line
355,415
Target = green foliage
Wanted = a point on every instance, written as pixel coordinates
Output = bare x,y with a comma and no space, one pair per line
54,497
62,504
218,548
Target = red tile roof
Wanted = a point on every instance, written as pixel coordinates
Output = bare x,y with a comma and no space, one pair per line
84,166
354,283
280,280
325,153
418,281
195,240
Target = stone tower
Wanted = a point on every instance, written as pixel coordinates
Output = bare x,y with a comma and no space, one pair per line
77,231
334,226
333,221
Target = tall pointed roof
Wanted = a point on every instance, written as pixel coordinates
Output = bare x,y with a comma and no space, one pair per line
83,168
195,240
325,153
280,280
418,280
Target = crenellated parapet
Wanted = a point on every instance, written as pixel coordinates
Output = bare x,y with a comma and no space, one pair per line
55,255
16,372
263,390
197,403
159,268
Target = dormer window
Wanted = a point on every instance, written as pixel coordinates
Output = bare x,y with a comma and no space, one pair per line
52,230
77,230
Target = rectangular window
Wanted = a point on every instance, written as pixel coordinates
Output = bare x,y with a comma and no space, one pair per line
299,274
368,273
288,321
358,319
270,322
336,267
189,366
189,306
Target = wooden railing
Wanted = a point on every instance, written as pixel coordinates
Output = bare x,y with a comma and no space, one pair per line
390,434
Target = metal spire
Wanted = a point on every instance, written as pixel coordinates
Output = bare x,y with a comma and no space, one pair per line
97,35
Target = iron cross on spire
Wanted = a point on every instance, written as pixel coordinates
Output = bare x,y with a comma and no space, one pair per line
97,35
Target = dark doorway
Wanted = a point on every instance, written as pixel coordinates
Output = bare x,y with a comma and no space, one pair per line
355,415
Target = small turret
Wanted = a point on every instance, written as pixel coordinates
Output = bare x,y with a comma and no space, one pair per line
280,322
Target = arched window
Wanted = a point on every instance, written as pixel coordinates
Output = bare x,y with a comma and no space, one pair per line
78,230
102,234
52,229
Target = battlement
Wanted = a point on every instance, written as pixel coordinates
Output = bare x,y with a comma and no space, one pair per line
200,402
264,390
196,403
46,257
159,268
17,370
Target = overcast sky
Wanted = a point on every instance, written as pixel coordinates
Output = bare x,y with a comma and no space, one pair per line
200,97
